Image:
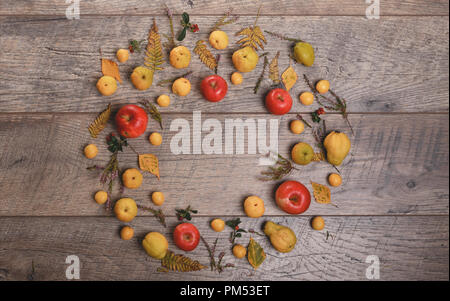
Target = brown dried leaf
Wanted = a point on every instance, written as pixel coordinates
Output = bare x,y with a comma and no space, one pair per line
149,162
321,193
111,68
289,78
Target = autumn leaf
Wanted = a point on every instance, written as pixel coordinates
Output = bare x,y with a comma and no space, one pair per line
149,162
100,122
256,254
289,78
253,38
205,55
321,193
110,68
273,69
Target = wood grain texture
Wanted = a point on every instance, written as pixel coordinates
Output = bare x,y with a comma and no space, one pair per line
398,164
387,65
409,248
206,7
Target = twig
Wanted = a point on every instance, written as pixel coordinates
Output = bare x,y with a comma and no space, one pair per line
157,213
300,117
338,104
153,111
282,168
261,77
282,37
164,82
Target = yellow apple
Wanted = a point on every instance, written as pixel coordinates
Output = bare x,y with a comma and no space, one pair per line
245,59
125,209
142,78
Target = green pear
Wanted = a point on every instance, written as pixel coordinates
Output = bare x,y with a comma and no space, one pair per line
304,53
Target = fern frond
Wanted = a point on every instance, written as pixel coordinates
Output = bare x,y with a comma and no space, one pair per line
100,122
180,263
154,56
274,73
205,55
254,37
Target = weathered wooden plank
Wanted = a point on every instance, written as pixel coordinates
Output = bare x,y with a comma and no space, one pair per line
409,248
204,7
398,165
390,65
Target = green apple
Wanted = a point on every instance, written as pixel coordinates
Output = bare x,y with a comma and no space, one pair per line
302,153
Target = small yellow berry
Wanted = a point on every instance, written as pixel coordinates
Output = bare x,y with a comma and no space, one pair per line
127,233
155,138
218,225
101,197
318,223
163,100
122,55
297,127
334,179
90,151
323,86
236,78
158,198
239,251
306,98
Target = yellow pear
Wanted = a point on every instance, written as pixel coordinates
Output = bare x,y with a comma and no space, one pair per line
337,146
245,59
282,238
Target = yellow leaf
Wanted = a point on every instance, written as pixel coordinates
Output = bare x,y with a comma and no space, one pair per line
255,254
100,122
289,78
253,38
149,162
205,55
274,74
321,193
111,68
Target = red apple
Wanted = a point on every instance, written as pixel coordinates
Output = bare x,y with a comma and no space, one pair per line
214,88
131,121
278,101
186,236
293,197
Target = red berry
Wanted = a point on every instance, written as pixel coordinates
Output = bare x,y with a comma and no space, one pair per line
236,228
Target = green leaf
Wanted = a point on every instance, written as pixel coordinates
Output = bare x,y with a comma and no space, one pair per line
185,17
182,35
255,254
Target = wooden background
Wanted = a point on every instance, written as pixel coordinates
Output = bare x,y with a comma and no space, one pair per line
394,201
